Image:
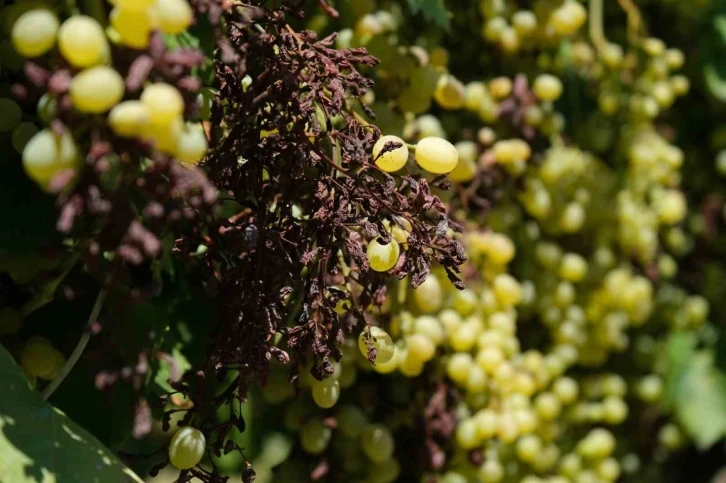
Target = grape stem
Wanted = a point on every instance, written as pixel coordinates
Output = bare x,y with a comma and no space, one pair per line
597,34
80,347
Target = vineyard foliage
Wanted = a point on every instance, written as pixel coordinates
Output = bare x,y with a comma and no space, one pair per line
371,241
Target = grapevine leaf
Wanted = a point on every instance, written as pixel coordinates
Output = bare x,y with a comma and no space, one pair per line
714,69
40,443
432,10
701,401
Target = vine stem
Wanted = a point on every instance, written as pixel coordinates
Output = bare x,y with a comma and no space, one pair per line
80,347
597,33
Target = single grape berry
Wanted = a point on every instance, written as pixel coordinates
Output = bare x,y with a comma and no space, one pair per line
82,41
174,16
34,32
391,160
383,257
381,341
97,89
326,392
129,118
47,154
436,155
187,448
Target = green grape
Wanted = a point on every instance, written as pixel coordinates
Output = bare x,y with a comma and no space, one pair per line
34,32
164,101
23,133
491,471
568,18
276,449
187,448
385,472
466,168
47,106
420,347
47,154
650,388
173,16
351,420
436,155
392,160
97,89
315,437
429,296
39,358
326,392
467,435
380,340
377,443
382,257
191,144
12,115
81,40
431,327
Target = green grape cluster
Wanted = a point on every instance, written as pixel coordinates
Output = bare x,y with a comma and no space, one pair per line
97,87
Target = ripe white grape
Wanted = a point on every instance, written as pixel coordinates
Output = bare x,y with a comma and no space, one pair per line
165,136
133,25
97,89
82,41
187,448
383,257
450,92
547,87
191,144
392,160
34,32
380,340
164,101
429,296
47,154
377,442
129,118
174,16
436,155
326,392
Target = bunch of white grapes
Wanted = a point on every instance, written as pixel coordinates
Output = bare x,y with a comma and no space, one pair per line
97,89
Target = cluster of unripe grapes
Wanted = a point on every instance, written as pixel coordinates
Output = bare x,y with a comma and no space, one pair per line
97,88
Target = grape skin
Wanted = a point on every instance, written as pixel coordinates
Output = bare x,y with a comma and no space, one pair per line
187,448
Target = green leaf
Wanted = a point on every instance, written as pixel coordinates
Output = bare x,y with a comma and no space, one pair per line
714,69
39,443
432,10
701,401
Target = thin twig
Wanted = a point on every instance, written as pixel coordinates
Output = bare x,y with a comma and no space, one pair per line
68,366
597,33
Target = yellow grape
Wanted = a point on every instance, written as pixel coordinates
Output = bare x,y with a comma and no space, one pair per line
133,25
164,101
82,41
97,89
174,16
191,144
547,87
436,155
392,160
383,257
165,136
129,118
326,392
34,32
47,154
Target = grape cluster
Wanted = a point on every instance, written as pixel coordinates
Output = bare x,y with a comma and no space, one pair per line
96,86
